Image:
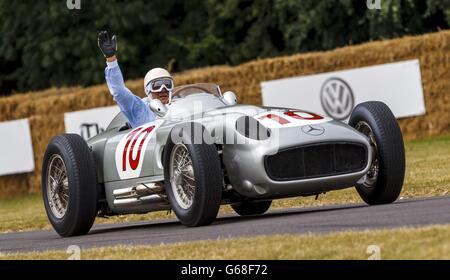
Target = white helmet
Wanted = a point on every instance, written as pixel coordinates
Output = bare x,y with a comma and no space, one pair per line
153,74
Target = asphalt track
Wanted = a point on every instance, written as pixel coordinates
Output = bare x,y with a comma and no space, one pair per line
410,212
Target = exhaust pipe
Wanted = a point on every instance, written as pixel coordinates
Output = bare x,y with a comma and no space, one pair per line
138,191
150,193
129,202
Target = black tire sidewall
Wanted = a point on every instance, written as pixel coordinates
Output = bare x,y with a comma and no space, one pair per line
207,173
82,205
390,150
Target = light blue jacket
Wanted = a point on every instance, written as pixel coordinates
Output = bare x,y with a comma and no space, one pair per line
133,107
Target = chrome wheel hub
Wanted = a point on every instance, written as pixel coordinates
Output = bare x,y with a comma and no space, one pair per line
370,179
182,178
57,186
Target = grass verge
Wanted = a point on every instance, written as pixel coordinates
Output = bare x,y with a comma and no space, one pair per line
427,174
431,242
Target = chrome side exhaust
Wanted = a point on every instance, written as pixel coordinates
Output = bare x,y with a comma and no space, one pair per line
151,193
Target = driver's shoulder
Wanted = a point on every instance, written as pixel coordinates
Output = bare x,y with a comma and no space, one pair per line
146,100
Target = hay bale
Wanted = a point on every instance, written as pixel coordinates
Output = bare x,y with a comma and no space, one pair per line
46,108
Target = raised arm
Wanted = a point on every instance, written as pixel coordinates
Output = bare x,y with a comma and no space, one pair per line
136,111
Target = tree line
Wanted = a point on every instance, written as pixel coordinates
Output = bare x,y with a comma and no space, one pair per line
44,44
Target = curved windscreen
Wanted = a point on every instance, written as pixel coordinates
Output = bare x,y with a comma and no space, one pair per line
183,91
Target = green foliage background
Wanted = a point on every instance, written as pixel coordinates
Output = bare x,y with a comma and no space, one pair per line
43,43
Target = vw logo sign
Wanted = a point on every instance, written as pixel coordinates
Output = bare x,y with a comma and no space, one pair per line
337,98
314,130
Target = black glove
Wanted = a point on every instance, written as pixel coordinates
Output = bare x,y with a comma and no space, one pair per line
107,45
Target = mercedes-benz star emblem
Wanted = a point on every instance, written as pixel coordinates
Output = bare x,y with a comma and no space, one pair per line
314,130
337,98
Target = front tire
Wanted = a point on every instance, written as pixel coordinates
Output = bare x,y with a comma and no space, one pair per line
193,176
69,185
383,183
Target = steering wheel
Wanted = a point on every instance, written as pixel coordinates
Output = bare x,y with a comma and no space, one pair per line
126,126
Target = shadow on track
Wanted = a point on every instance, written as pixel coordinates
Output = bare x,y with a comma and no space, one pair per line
223,219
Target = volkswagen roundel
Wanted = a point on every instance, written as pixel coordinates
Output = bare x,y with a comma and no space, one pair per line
337,98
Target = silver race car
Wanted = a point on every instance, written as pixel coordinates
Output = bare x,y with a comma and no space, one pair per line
203,150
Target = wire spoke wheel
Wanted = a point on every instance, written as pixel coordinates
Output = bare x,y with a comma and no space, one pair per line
57,186
182,178
71,205
370,179
193,177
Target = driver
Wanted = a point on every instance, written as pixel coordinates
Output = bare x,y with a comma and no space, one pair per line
157,84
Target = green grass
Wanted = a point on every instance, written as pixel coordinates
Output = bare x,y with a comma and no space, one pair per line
431,242
427,174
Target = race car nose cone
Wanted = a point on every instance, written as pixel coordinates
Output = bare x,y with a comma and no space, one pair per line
253,188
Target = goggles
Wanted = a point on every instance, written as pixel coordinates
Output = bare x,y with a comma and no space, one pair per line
158,85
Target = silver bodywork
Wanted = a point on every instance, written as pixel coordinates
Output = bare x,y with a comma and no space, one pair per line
243,158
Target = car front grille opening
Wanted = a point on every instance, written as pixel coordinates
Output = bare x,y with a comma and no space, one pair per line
317,160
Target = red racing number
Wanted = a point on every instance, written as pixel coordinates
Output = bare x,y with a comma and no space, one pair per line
292,114
128,150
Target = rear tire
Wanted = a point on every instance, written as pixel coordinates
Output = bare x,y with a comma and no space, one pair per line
376,121
195,202
247,208
69,185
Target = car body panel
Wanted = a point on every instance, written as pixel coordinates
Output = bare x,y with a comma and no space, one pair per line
132,156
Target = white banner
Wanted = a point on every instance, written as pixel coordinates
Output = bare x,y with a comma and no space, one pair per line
16,149
89,123
335,94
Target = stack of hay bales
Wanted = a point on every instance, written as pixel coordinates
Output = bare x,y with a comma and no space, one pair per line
46,109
